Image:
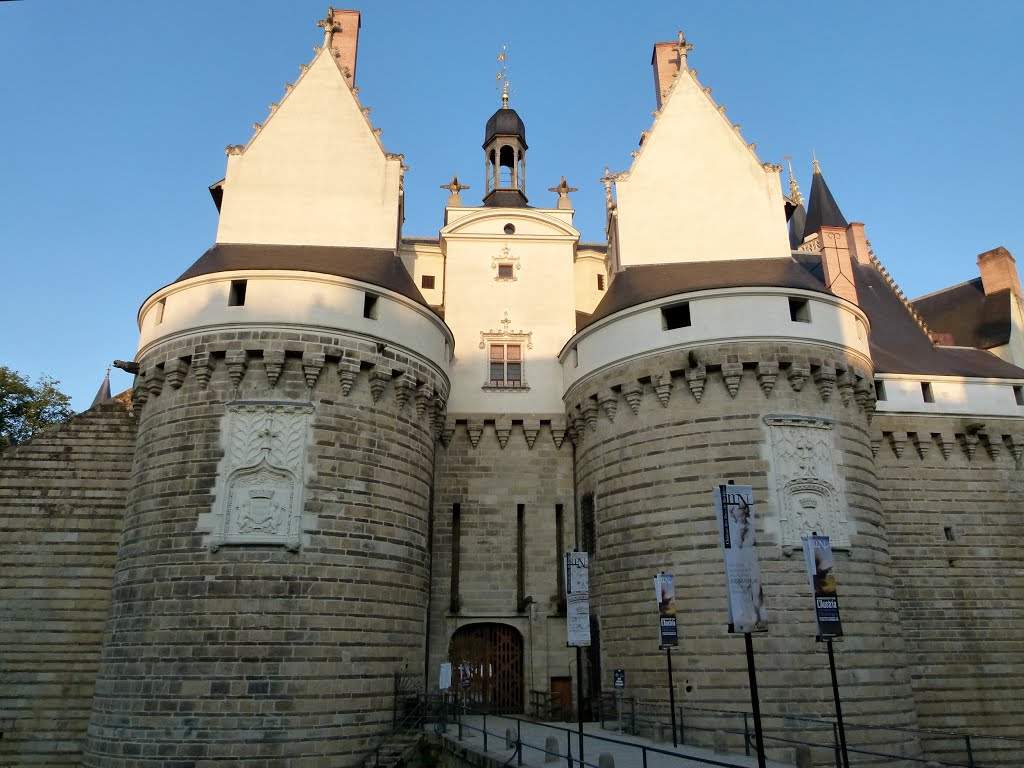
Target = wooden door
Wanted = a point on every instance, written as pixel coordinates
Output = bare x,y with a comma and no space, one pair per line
490,658
561,705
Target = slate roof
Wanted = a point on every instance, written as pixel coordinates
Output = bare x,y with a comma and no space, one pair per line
636,285
797,226
897,343
973,319
377,266
822,208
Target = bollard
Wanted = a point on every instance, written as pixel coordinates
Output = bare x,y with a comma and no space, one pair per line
604,760
720,747
551,749
510,738
803,757
658,733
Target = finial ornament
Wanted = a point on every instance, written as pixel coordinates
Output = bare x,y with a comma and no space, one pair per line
503,77
682,46
563,189
817,168
329,25
607,180
454,191
794,190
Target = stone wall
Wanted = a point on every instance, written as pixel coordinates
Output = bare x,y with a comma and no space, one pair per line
654,436
62,499
953,491
489,466
225,649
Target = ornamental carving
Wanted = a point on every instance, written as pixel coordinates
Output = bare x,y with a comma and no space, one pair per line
506,259
262,476
808,486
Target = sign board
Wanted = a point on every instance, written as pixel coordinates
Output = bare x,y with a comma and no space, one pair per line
465,673
734,508
577,599
445,681
620,679
821,572
665,594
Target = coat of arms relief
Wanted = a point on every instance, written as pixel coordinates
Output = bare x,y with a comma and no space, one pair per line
262,477
808,486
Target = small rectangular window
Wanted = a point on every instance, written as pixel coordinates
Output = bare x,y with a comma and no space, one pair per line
427,281
370,306
926,392
520,557
453,592
600,282
505,271
879,390
676,316
559,549
1018,395
949,532
506,365
236,296
158,311
799,310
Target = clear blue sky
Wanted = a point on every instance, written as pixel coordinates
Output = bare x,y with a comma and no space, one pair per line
116,115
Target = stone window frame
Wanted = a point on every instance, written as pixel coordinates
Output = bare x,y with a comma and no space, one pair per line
505,259
506,338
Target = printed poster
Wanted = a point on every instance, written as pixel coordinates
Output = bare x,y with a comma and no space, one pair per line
821,572
734,507
665,594
577,599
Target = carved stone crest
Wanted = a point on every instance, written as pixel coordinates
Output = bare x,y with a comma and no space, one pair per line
261,480
808,486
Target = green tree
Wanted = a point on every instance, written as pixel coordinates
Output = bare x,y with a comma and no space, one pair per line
26,408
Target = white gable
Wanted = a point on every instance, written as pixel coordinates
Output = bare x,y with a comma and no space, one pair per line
696,192
315,174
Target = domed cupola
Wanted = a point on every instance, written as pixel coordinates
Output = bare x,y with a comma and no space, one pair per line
505,157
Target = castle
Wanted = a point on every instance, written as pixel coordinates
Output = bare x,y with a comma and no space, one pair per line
350,453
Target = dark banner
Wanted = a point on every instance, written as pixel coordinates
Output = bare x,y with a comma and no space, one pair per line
821,570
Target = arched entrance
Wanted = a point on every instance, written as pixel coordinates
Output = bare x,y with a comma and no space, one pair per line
490,657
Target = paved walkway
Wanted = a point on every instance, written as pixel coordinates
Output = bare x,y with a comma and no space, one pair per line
627,751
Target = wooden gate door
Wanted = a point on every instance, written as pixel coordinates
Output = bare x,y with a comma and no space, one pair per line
490,657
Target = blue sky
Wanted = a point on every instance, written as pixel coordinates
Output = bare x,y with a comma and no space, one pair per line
116,115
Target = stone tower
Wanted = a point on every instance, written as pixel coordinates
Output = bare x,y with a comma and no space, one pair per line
717,356
273,571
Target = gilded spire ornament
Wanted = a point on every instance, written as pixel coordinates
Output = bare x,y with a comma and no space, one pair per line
814,155
503,77
794,190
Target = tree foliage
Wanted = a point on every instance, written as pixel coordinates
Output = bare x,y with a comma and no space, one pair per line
26,408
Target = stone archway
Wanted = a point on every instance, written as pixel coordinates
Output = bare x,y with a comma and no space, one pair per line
490,657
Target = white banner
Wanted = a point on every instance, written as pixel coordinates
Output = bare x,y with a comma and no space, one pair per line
734,507
577,598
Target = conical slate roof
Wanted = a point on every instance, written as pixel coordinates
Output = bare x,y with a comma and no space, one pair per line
822,209
797,226
103,394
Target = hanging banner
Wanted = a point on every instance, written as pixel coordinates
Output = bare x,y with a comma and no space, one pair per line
734,507
444,682
665,594
577,599
821,572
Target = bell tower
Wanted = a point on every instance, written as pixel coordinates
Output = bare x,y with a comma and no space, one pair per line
505,155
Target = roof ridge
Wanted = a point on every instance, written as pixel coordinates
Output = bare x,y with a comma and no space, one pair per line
894,287
947,288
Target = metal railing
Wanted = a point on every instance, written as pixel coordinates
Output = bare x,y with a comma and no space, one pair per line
525,736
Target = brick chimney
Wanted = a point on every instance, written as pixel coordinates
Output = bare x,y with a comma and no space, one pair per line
342,36
667,64
836,262
858,242
998,271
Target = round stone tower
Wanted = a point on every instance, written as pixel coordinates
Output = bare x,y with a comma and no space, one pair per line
273,570
686,378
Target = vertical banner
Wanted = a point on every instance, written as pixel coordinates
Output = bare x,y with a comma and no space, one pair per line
734,505
444,682
577,599
821,572
665,594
